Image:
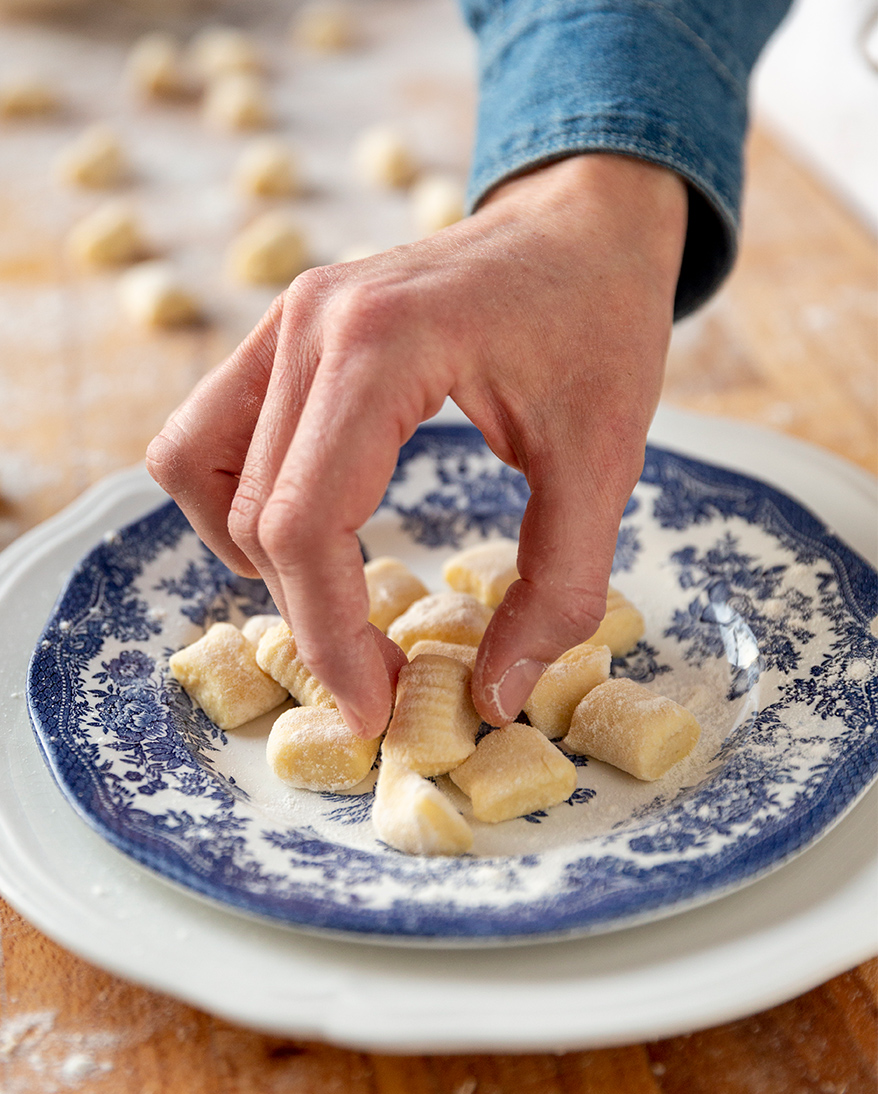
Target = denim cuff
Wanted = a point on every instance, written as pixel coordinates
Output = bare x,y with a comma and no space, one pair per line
561,77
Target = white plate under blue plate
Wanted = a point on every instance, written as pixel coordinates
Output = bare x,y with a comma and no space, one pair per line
758,619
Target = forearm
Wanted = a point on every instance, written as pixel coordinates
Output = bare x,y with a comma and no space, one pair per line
665,82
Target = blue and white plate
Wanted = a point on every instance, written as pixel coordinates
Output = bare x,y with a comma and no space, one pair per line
758,619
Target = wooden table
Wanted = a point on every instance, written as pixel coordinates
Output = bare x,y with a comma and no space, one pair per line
789,343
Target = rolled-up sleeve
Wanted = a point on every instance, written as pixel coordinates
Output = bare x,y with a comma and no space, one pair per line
662,80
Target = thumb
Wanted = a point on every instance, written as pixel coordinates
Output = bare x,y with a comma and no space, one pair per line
565,554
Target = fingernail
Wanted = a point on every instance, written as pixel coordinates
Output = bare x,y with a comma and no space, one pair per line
515,686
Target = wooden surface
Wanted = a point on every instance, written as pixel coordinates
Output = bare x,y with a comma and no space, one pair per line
789,343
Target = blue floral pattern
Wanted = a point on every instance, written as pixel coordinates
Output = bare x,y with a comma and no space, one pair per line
750,602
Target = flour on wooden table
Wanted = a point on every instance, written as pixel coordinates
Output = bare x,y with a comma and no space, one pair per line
36,1055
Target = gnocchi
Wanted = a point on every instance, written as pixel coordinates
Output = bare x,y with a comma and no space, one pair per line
449,617
95,159
219,672
514,771
411,814
627,725
312,748
392,588
270,251
434,722
153,294
278,655
563,684
485,571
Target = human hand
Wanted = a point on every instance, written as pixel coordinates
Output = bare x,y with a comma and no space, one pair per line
545,316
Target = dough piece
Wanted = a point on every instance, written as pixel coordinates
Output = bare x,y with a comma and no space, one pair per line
218,51
266,168
219,673
615,599
255,627
109,236
629,726
513,772
27,97
270,251
563,684
437,201
621,628
324,26
95,159
155,68
153,295
236,101
381,157
312,748
357,252
392,588
456,650
413,815
485,571
434,723
277,655
449,617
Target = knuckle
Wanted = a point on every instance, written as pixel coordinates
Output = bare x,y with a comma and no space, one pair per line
580,611
243,520
283,530
308,288
366,310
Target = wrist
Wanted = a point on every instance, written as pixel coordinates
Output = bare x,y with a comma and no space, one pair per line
641,208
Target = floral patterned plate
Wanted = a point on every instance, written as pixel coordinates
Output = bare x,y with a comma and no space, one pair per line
758,619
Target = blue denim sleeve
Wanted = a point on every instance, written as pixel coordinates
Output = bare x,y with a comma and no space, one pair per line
663,80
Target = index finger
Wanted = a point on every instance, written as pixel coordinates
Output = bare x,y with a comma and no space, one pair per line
359,411
199,454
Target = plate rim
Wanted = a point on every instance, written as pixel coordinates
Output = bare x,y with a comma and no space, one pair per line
800,926
468,928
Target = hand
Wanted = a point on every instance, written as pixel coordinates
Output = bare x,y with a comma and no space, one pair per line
545,316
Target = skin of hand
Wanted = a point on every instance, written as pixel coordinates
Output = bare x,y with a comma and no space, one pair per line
546,317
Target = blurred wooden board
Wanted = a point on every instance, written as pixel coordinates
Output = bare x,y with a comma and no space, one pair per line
791,342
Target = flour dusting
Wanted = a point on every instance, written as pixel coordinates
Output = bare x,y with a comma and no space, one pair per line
37,1056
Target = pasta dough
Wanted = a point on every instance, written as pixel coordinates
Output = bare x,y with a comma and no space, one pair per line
622,626
437,202
357,252
382,158
153,295
312,748
236,101
485,571
456,650
155,67
27,97
392,589
278,655
449,617
256,626
629,726
95,159
109,236
270,251
267,168
219,672
434,722
514,771
563,684
413,815
218,51
324,26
